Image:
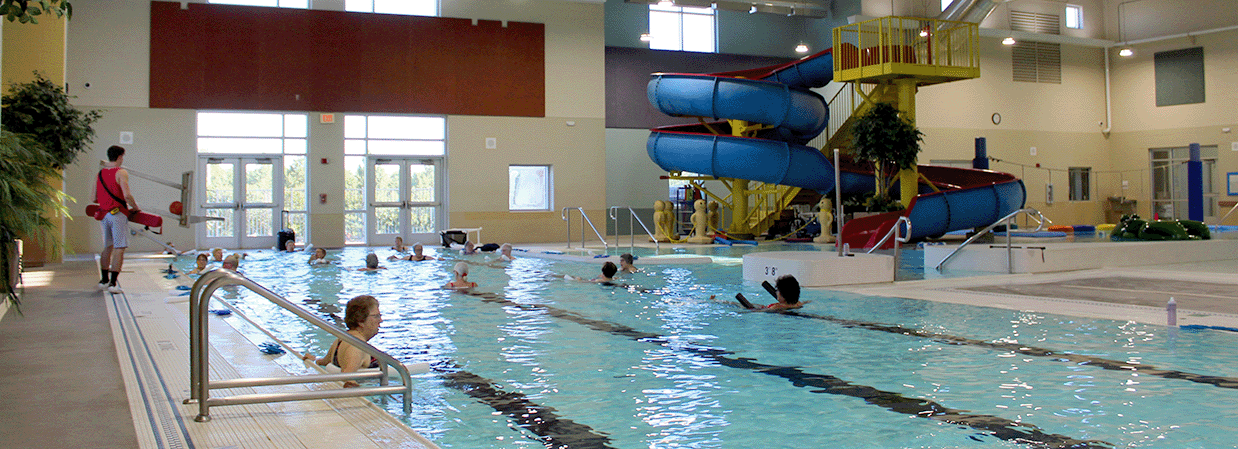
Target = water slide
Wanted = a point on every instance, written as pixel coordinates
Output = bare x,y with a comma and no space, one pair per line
779,96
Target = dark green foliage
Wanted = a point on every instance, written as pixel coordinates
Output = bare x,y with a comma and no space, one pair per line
882,137
42,109
28,11
29,201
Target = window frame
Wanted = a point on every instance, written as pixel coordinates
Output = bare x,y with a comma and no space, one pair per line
1077,15
1080,181
680,13
549,188
354,6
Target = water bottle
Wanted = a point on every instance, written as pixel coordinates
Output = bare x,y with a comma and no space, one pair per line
846,249
1172,310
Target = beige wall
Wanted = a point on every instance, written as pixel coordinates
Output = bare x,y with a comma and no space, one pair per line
108,47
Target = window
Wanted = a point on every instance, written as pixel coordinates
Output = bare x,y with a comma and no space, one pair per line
945,4
395,135
1074,17
1080,184
529,187
404,7
682,28
264,134
354,200
302,4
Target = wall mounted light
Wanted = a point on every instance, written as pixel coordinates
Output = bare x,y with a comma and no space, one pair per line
1126,52
752,10
646,37
1009,40
666,3
801,48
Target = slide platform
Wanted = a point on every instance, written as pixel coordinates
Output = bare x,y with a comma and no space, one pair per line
779,96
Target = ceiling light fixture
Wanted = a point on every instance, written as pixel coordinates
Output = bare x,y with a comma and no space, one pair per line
1126,52
1009,40
801,48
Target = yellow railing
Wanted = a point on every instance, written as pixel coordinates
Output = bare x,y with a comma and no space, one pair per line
931,50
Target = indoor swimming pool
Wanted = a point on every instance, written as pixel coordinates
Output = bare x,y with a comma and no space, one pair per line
666,359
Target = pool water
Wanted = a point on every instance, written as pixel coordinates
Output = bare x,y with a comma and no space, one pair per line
532,360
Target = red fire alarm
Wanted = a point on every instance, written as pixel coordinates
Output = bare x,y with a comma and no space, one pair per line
324,161
322,198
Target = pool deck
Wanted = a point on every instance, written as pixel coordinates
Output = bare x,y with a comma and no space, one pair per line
66,389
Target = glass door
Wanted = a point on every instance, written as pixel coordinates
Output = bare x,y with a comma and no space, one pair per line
405,200
1169,181
243,191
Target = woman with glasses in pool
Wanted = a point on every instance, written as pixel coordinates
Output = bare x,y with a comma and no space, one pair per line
363,319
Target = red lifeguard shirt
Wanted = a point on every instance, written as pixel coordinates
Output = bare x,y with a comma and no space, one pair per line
107,178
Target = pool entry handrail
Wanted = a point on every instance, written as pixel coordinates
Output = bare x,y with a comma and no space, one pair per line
1008,220
566,214
199,365
899,237
631,216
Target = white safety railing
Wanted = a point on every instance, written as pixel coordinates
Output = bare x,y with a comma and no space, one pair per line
899,237
631,216
1008,220
566,214
199,365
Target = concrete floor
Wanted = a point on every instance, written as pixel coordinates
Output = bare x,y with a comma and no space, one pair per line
62,384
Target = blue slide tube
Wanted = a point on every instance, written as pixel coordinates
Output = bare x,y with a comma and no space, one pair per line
800,112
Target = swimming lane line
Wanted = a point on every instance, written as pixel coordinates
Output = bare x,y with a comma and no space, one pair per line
997,426
1113,365
555,432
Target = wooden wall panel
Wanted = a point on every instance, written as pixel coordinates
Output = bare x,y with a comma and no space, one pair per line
253,58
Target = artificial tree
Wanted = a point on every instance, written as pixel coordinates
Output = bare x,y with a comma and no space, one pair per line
28,11
890,143
42,132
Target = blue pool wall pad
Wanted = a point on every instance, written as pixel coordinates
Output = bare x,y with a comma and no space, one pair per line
1203,327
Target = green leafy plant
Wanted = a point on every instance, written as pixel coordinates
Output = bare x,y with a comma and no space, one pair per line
25,168
28,11
888,141
42,109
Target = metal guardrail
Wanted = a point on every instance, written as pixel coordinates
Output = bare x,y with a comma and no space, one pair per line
899,237
199,365
1227,214
584,218
631,216
1008,220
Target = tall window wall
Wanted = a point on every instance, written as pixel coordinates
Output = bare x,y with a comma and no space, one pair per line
393,181
240,153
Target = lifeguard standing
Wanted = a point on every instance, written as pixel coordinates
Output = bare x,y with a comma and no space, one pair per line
116,204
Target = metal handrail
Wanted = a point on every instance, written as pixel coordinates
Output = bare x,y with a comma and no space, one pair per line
631,216
898,238
1040,224
199,365
584,219
1227,214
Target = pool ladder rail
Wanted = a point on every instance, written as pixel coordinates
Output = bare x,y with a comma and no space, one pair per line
584,218
200,383
899,237
1008,220
631,216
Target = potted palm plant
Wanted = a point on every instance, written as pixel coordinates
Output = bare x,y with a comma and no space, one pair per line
41,133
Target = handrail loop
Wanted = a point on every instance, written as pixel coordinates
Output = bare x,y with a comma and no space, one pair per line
200,383
566,215
1008,220
899,237
631,216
